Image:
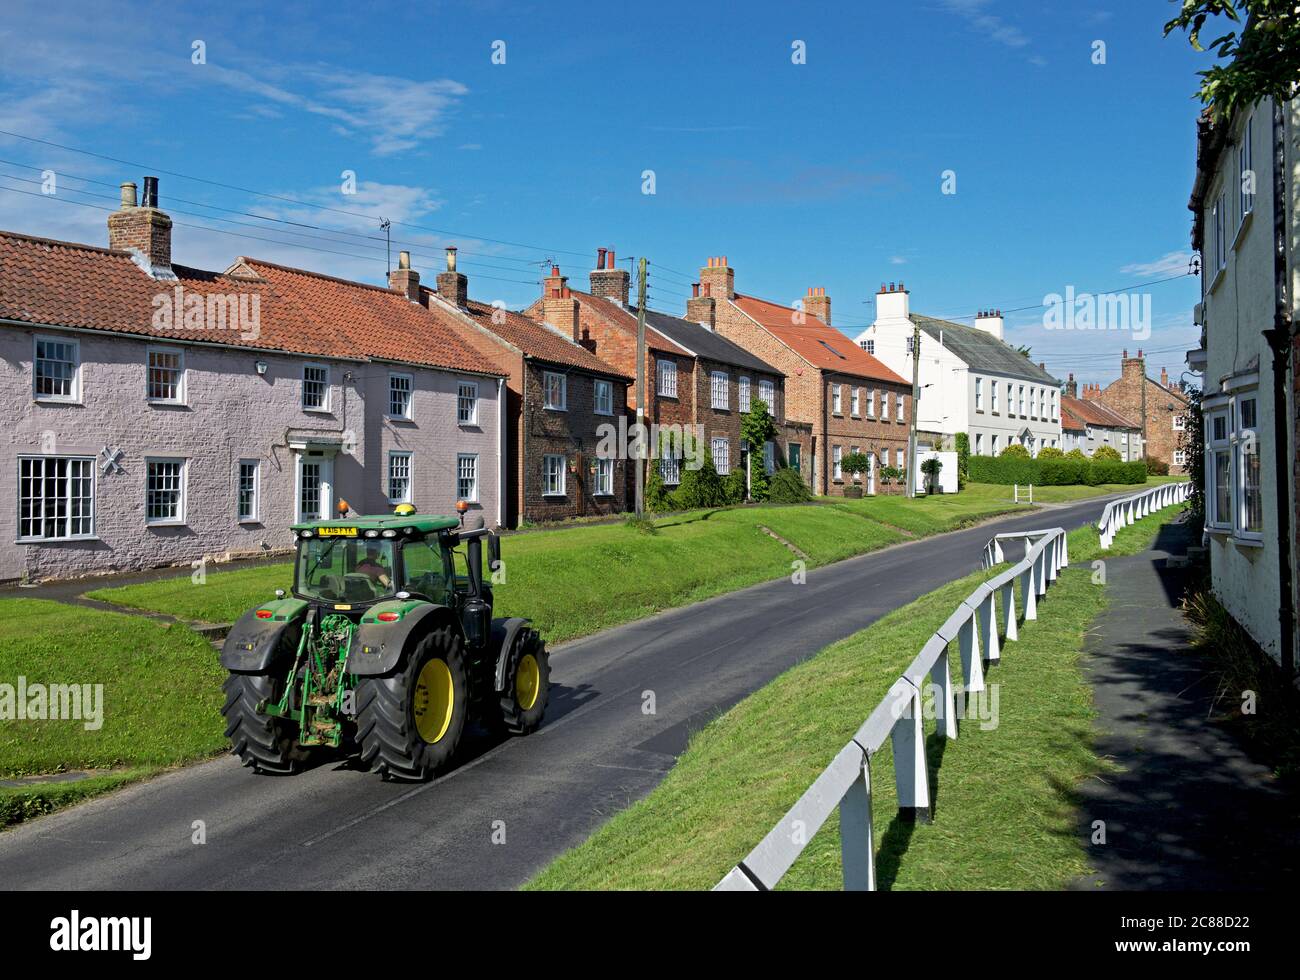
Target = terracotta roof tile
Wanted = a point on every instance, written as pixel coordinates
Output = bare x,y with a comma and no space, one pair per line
820,345
538,341
617,316
1094,413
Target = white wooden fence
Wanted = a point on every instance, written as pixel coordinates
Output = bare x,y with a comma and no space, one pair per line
1123,512
845,784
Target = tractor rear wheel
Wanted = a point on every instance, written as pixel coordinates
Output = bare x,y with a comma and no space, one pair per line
409,723
528,680
263,743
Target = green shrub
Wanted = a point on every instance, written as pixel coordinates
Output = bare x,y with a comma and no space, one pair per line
733,486
963,459
1050,452
657,497
787,487
700,488
1157,467
1004,470
1014,451
1070,470
1107,453
1077,453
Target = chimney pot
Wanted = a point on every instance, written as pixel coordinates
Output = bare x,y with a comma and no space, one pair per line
403,260
451,258
1126,353
555,270
128,194
600,258
609,259
150,192
695,289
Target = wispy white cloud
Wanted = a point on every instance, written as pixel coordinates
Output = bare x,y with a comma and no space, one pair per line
1169,264
975,12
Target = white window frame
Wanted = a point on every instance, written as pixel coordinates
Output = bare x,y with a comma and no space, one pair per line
1245,164
182,490
837,401
900,406
665,378
394,378
549,403
767,395
602,397
1020,401
769,457
871,403
181,375
670,470
719,391
461,388
870,347
555,472
837,459
393,456
721,460
1180,423
979,394
472,459
1214,447
255,511
74,396
1242,438
853,451
604,477
88,462
979,443
993,395
325,407
855,402
742,392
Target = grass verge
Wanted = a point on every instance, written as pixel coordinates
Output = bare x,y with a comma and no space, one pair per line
160,702
1004,798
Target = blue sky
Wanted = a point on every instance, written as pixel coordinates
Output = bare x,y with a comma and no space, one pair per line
827,173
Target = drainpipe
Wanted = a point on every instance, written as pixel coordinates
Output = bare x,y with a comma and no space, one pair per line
1280,340
502,462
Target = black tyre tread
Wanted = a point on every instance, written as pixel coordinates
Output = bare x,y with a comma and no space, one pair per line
390,743
511,716
264,744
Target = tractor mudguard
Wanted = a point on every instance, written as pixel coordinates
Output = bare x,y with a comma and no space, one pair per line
504,632
255,641
377,646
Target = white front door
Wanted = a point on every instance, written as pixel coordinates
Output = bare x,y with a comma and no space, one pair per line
314,487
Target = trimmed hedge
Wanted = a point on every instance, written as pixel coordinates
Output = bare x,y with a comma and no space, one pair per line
1054,472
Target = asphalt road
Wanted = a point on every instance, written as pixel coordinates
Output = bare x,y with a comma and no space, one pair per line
334,827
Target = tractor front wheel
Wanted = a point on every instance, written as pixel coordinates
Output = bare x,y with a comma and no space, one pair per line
409,723
263,743
528,680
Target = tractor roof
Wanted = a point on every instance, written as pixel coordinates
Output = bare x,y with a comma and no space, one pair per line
425,523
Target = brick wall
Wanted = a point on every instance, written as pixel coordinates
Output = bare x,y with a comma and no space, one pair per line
1126,397
573,434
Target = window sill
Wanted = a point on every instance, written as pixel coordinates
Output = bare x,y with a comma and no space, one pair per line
599,412
317,411
402,418
605,493
149,524
166,403
1241,229
1218,278
250,522
56,401
1244,542
555,408
69,540
554,496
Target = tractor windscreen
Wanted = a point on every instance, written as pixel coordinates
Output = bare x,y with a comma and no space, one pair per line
335,569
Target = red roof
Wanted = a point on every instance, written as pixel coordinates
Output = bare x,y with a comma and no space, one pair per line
820,345
539,341
53,283
615,315
1069,420
1095,413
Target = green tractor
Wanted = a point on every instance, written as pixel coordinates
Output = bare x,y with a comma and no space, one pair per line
386,644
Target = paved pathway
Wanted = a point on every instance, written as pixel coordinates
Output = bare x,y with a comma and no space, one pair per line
1189,808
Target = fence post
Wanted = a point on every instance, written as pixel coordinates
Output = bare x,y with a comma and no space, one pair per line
857,840
971,666
1050,553
1065,550
1009,608
945,709
1029,593
911,775
988,615
1040,573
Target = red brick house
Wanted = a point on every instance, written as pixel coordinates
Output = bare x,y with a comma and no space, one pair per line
848,400
695,377
559,395
1158,408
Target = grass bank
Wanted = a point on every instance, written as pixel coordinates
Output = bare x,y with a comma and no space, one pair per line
1004,803
161,697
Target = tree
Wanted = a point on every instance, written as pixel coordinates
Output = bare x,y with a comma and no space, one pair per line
1108,453
931,467
1261,59
1051,452
963,459
1077,454
757,429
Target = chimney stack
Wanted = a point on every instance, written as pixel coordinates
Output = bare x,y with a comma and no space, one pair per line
991,322
404,279
701,307
719,278
453,287
143,230
1071,387
818,304
1164,377
892,303
559,308
607,281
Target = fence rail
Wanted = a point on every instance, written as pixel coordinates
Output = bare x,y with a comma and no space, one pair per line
845,784
1121,513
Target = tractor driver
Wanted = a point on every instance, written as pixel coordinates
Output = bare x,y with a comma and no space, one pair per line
370,566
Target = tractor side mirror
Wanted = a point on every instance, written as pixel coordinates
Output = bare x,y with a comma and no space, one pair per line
494,552
474,561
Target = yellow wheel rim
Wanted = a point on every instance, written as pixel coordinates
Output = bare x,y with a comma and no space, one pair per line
433,701
528,681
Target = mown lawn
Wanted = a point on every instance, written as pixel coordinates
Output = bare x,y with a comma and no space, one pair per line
161,700
1004,804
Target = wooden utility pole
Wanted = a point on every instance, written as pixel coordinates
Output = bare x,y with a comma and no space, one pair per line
916,401
642,435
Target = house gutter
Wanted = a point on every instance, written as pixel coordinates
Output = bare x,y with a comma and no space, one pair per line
1279,339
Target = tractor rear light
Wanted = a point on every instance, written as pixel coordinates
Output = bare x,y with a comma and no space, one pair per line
388,617
264,614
